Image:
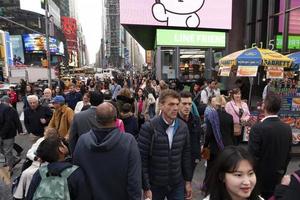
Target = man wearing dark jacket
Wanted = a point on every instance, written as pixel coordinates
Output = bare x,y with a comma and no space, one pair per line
36,117
9,128
165,150
53,151
84,121
194,125
73,97
270,143
110,159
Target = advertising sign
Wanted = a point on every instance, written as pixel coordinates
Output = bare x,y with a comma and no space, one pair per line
69,28
214,14
293,42
55,12
224,71
36,43
17,49
32,5
148,56
166,37
8,52
247,71
275,73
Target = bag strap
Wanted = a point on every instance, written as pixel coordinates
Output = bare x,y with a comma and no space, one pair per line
237,114
43,170
67,172
296,177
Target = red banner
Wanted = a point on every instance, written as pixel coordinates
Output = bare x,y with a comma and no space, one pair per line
69,28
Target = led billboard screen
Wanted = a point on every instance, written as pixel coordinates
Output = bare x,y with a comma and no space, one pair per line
17,49
36,43
213,14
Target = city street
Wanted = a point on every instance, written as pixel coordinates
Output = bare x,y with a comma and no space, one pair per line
198,177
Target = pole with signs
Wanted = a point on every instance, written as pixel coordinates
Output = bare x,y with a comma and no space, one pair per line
47,42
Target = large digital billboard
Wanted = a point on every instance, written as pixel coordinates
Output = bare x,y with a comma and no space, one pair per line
36,43
17,49
212,14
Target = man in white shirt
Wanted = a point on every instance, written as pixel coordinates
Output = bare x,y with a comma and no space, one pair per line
210,90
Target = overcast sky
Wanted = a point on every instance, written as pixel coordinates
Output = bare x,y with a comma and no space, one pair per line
89,13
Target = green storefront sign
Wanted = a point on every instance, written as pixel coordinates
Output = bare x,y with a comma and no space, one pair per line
166,37
293,42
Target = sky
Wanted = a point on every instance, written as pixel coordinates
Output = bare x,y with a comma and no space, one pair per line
89,14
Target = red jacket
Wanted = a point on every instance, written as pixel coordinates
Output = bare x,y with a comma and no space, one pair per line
12,96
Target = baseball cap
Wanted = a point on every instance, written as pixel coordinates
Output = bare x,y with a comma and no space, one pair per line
58,99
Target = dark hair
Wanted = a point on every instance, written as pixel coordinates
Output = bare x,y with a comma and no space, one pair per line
186,94
272,103
234,91
126,108
227,162
209,81
168,93
107,95
96,98
48,149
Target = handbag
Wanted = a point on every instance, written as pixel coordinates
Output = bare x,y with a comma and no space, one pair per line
237,129
205,154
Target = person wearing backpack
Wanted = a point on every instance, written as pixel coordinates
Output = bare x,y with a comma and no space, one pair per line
59,180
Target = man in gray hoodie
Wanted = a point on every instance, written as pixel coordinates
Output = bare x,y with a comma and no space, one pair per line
110,159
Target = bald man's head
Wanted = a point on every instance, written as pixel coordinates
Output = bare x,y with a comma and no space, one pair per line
106,114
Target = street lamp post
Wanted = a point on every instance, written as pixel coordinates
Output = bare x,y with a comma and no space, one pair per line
47,43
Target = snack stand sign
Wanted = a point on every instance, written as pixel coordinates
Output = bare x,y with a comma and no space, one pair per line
247,71
224,71
275,73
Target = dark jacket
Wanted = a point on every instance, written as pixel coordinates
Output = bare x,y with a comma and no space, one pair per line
290,192
72,98
112,164
166,167
226,128
82,123
7,126
196,131
131,124
16,126
270,143
32,119
77,184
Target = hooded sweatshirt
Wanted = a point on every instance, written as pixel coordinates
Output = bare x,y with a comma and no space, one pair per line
112,164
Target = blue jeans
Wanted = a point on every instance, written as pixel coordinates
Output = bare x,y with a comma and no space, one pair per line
6,148
174,192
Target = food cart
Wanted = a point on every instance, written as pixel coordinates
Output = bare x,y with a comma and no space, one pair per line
285,82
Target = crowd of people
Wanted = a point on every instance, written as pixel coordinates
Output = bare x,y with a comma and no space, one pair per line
126,138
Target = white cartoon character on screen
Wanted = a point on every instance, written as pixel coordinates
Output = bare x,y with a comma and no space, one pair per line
178,12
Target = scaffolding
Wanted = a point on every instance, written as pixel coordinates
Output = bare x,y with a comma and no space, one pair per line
113,40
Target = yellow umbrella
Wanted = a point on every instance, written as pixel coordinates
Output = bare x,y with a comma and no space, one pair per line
255,57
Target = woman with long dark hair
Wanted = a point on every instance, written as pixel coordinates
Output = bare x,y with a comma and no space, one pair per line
232,176
142,107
